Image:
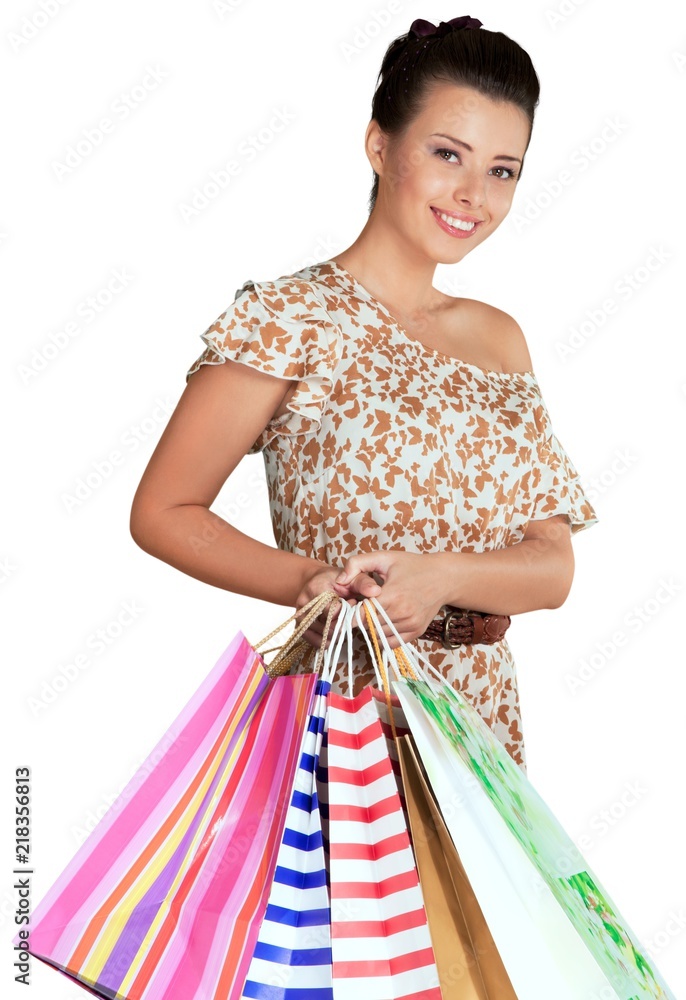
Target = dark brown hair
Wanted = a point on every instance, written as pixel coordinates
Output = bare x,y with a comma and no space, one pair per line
488,61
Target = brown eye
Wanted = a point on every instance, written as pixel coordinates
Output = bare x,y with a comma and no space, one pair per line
512,174
450,152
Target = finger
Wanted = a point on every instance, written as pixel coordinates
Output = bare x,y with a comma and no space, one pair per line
383,628
391,639
321,619
312,637
363,562
366,585
318,625
363,586
344,590
315,638
322,615
314,629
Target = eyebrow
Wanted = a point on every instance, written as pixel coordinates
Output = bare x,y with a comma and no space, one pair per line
458,142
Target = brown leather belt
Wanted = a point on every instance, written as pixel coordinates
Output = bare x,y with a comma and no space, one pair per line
459,627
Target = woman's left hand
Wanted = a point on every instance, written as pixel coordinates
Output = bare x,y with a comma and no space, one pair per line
413,589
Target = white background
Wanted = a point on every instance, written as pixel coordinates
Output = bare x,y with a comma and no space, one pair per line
617,398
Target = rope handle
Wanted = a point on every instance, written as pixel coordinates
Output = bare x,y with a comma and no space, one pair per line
295,646
283,660
404,667
312,611
411,659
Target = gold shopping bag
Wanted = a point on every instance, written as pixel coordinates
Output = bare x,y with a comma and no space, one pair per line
468,962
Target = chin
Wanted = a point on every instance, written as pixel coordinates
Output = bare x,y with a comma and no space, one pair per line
457,255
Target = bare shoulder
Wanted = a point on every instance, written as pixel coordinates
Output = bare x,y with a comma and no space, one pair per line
500,333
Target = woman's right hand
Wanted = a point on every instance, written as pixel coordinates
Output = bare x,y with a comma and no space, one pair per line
321,581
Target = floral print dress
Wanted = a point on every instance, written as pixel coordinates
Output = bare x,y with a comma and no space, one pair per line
388,444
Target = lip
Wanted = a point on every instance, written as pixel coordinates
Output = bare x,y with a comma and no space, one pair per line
458,234
456,215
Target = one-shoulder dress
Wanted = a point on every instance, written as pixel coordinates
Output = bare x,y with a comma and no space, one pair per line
389,444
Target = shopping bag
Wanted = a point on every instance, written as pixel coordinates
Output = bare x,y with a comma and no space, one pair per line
394,726
468,962
165,897
555,927
292,954
380,941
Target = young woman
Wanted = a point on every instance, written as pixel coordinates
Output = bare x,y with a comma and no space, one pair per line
408,450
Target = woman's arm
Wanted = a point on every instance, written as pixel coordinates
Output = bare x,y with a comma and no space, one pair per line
534,573
527,576
220,414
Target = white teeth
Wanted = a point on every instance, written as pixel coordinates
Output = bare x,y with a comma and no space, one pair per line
457,223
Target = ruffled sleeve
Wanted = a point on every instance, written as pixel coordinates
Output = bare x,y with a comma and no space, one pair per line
556,486
282,328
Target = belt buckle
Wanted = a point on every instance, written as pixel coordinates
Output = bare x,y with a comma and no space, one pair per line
446,623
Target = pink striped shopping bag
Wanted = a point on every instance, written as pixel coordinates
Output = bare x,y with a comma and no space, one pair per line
381,946
165,898
292,954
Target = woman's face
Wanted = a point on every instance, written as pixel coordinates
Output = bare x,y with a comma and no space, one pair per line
430,170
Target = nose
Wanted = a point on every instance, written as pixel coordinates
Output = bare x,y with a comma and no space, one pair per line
471,190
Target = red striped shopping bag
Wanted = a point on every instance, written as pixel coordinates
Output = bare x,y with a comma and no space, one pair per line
165,898
394,726
381,947
347,831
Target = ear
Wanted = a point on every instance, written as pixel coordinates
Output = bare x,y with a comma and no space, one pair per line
375,144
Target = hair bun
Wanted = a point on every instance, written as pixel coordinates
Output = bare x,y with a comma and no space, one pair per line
420,28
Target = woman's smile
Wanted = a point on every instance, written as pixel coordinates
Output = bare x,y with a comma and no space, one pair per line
456,223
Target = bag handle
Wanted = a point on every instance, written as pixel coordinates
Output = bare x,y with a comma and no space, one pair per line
294,646
406,658
342,631
326,658
402,664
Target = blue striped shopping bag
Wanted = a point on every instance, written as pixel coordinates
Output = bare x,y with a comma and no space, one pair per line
292,954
